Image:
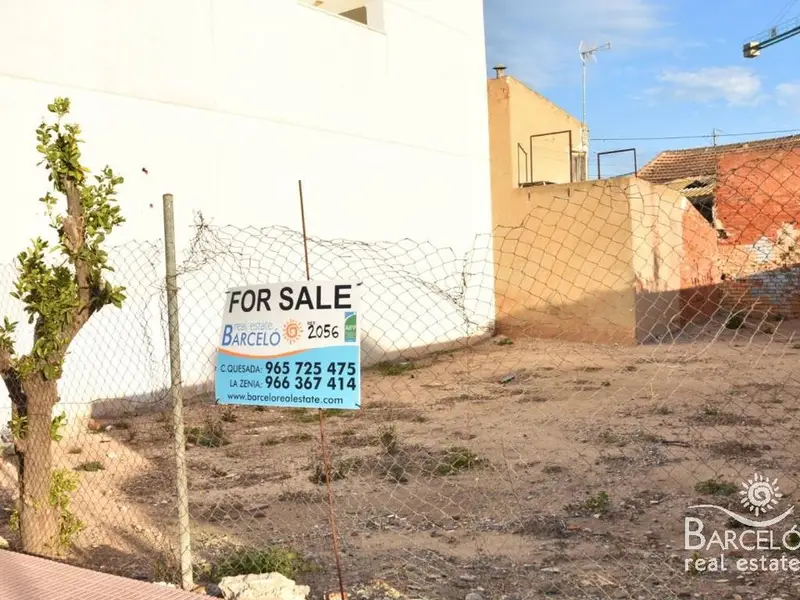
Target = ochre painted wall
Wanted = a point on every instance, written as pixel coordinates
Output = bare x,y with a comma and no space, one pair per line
563,263
515,113
599,261
532,113
657,242
503,177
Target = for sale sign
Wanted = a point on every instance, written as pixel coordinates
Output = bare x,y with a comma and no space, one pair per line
291,345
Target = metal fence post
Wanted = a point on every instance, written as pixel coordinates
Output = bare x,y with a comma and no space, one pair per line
176,394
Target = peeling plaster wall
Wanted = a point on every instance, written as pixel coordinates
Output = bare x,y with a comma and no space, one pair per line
657,244
700,297
772,292
758,202
596,261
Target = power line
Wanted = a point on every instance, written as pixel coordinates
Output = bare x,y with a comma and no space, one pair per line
777,23
694,137
789,5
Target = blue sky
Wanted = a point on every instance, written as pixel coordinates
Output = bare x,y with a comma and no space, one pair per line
675,68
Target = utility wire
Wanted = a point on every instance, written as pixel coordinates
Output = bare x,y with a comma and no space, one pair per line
782,14
693,137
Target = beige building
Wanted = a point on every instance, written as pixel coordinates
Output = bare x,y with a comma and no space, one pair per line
594,261
532,141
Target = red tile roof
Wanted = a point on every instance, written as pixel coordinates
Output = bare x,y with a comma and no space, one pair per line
26,577
696,162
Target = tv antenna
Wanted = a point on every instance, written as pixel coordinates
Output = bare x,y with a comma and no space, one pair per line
586,53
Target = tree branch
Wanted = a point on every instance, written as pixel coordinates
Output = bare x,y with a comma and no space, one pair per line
10,377
5,362
74,234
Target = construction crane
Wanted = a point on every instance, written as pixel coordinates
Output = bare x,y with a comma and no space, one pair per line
778,33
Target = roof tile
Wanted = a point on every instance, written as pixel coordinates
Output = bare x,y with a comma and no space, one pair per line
671,165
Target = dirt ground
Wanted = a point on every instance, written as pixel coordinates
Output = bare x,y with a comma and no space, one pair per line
518,468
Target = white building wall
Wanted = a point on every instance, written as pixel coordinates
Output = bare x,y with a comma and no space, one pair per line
227,104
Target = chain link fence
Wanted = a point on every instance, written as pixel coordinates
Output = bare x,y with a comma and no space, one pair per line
540,416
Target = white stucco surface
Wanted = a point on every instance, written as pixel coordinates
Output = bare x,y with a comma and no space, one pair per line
227,104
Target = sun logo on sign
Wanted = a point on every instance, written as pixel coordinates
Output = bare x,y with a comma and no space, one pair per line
292,331
759,494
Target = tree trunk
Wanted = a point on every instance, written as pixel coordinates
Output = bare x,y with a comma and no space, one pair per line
38,518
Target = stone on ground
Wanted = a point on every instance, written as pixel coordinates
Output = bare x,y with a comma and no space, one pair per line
377,590
272,586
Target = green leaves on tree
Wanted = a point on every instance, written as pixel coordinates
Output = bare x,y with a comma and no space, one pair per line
61,285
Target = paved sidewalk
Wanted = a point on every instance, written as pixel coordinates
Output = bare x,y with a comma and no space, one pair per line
25,577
